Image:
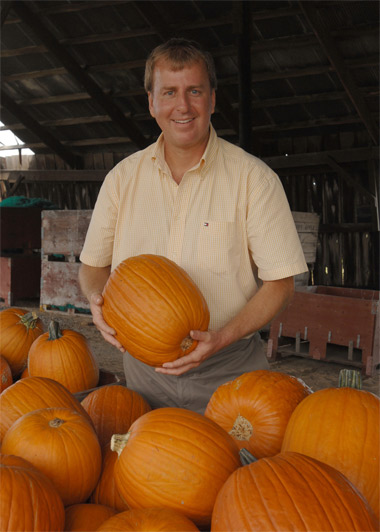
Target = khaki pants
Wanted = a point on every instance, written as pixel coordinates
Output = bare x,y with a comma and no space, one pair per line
193,389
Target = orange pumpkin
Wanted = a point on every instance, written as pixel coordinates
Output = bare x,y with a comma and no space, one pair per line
64,356
63,445
255,409
151,519
153,304
33,393
105,491
86,517
18,330
25,373
113,408
174,458
28,499
6,378
290,491
341,427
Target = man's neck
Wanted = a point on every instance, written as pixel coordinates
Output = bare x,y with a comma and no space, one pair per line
180,160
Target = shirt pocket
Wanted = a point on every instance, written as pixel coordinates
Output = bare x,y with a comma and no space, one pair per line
219,247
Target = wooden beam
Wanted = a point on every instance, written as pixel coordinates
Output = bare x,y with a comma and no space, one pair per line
48,39
349,179
321,158
268,45
315,19
306,161
31,176
41,132
4,10
243,15
220,52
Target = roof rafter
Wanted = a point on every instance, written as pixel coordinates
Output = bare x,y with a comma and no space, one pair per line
48,39
315,19
42,133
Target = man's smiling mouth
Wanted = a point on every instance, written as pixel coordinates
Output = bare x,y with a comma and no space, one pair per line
184,121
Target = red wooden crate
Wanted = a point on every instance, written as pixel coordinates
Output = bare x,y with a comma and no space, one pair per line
320,316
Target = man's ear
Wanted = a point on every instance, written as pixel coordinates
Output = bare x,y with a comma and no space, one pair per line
213,100
150,100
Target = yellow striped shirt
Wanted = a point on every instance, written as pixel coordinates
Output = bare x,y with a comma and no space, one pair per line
228,222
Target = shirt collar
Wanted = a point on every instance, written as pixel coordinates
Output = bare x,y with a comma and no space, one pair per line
208,155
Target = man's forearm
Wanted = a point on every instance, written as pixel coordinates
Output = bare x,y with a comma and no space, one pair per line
269,301
92,280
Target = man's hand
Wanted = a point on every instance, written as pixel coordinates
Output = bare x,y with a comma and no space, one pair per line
108,333
209,342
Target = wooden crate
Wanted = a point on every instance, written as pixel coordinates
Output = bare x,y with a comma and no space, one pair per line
19,278
20,259
329,323
62,237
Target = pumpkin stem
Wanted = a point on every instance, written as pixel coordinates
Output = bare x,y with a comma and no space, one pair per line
119,441
54,330
29,319
242,429
56,422
350,378
186,343
246,457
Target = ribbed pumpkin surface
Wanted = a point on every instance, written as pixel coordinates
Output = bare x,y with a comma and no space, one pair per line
149,520
33,393
178,459
63,445
86,517
113,408
290,491
341,427
67,359
28,499
6,378
255,409
18,330
153,304
105,491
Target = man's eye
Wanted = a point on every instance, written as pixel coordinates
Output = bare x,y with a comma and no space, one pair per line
195,91
169,93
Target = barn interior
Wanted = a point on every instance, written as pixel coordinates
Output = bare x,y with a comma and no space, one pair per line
298,87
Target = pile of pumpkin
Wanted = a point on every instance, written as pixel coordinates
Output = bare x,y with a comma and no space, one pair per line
267,455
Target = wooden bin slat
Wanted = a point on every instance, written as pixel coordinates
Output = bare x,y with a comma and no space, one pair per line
63,232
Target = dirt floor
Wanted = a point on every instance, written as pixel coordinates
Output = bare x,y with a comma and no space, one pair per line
316,374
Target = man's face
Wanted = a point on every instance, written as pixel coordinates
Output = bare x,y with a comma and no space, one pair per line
182,102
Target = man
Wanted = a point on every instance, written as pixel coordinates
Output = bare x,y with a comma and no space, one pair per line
212,208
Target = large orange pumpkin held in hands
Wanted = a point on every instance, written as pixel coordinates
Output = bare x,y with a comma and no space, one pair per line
65,356
153,304
18,330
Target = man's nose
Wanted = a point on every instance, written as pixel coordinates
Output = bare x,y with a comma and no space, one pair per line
183,102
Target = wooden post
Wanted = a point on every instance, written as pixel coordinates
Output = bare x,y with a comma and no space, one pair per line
245,80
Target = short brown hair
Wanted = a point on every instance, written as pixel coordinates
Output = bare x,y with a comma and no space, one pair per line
179,52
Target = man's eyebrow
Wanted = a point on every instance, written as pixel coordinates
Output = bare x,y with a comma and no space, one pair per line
173,87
